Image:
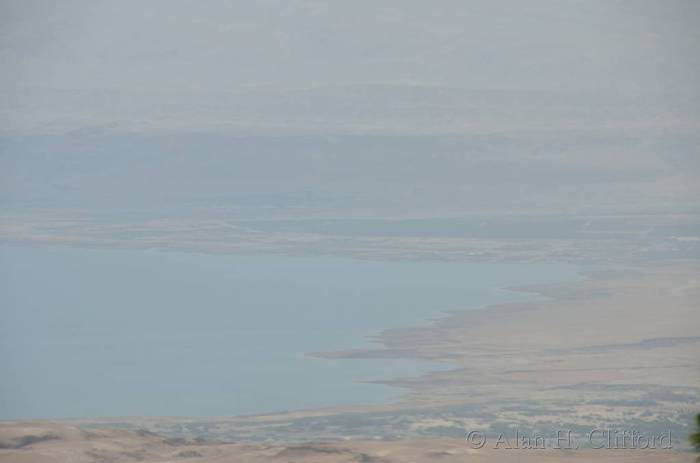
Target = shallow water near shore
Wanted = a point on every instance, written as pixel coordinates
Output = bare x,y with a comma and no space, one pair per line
108,333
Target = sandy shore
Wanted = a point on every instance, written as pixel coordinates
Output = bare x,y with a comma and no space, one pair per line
617,350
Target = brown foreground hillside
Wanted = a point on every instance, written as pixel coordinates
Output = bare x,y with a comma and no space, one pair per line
45,442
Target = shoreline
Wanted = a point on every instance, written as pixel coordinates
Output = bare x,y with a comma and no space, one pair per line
645,377
561,360
460,282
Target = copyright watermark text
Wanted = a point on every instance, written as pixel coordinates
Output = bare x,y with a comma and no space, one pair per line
599,439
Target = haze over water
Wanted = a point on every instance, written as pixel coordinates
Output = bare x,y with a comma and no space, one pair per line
90,332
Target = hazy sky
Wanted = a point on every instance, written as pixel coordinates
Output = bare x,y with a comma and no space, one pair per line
623,74
230,46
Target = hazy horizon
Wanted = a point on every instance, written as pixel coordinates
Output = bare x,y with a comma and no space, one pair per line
275,216
279,65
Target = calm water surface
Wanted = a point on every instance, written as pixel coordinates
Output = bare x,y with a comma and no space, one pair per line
87,332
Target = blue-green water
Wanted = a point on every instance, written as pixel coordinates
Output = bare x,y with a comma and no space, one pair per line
87,332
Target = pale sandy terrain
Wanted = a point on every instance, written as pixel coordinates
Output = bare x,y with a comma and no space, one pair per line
57,443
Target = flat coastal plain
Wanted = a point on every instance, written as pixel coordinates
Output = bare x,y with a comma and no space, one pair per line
615,351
